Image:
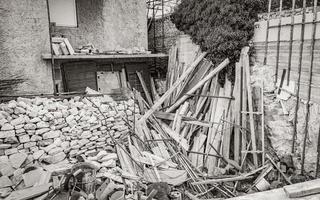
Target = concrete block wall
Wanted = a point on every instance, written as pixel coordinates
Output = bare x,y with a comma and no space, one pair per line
24,36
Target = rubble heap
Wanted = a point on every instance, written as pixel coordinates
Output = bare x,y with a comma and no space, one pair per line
50,131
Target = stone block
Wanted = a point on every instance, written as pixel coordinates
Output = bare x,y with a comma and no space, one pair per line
30,126
7,127
11,139
5,182
42,131
43,143
10,151
29,144
38,154
42,124
17,159
52,134
55,158
55,151
35,138
24,138
17,121
35,120
5,146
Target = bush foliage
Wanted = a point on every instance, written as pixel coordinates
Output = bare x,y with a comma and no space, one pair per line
222,27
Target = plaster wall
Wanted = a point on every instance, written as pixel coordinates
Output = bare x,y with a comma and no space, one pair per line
109,24
24,36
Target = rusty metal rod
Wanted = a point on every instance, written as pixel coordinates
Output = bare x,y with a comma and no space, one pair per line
267,34
299,76
314,29
278,42
291,40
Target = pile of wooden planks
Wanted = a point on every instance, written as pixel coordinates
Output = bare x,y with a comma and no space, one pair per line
205,127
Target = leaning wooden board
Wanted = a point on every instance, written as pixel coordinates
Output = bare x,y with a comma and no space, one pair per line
29,193
303,189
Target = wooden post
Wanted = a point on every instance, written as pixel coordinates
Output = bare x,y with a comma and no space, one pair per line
267,34
291,40
250,104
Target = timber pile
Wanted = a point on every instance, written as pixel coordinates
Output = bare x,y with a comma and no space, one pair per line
214,132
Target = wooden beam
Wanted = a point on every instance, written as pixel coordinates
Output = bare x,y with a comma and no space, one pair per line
145,88
199,84
172,88
303,189
250,103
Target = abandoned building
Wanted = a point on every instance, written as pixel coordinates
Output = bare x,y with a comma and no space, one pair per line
159,99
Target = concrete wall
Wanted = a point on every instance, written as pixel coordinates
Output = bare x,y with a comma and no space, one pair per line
109,24
24,36
259,42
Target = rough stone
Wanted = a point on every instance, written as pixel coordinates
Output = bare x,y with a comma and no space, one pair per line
38,154
55,158
7,134
29,144
42,124
51,134
17,159
10,151
30,126
35,138
24,138
19,120
55,151
5,182
7,127
42,131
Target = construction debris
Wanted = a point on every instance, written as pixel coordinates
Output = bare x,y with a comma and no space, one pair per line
199,140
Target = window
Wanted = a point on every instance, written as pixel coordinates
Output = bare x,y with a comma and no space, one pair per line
63,12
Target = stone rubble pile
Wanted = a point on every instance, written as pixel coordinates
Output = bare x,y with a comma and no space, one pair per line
42,130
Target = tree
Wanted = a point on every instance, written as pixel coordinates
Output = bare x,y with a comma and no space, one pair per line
220,27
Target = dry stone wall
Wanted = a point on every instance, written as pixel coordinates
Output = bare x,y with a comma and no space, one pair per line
49,130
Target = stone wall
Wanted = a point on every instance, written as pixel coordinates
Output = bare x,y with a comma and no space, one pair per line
48,130
24,36
109,24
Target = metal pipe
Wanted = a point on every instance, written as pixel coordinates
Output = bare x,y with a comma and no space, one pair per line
291,40
278,42
314,28
267,34
51,50
299,76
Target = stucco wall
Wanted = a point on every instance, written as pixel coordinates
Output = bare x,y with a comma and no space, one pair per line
24,36
109,24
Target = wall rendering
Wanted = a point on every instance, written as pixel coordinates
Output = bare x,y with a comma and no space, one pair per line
109,24
24,36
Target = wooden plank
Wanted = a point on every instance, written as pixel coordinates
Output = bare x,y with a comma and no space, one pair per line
123,78
145,89
154,92
102,56
237,108
70,49
227,126
250,103
199,84
303,189
29,193
223,180
172,88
